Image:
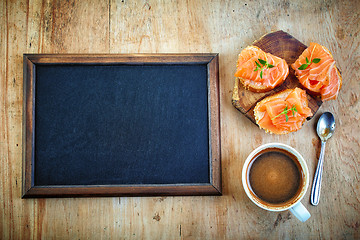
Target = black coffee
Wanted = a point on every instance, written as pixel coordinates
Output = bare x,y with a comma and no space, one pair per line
275,176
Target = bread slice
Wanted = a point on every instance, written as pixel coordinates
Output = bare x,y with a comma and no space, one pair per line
249,67
318,84
260,114
254,86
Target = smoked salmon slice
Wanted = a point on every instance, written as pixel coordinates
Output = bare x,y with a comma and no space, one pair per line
283,112
316,71
259,71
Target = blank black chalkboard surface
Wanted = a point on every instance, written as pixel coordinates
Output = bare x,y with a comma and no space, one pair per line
121,125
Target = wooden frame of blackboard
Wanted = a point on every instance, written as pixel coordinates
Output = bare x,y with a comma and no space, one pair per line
30,190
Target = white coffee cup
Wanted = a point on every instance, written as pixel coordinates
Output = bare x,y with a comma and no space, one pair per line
293,205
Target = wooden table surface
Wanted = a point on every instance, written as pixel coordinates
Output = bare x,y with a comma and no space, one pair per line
224,27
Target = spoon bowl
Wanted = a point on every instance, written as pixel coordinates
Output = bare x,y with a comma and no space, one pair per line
325,126
325,129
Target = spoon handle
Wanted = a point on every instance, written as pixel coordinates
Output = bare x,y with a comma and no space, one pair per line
316,187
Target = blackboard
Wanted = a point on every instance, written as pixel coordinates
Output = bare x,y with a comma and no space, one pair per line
121,125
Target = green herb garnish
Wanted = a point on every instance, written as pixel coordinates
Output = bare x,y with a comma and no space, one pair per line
264,64
285,111
305,65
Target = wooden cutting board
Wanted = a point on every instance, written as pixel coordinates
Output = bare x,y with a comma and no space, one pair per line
283,45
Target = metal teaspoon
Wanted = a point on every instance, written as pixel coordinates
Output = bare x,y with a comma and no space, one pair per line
325,129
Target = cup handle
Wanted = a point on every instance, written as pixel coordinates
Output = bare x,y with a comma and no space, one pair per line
300,212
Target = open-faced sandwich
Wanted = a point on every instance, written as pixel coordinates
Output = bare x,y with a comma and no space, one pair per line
259,71
317,72
283,112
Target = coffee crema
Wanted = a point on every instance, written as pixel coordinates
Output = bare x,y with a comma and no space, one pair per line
275,176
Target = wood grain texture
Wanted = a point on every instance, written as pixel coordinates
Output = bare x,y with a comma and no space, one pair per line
226,27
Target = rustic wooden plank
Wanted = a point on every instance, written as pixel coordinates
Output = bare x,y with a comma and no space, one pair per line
73,27
131,59
5,227
124,191
28,124
219,26
214,123
13,26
